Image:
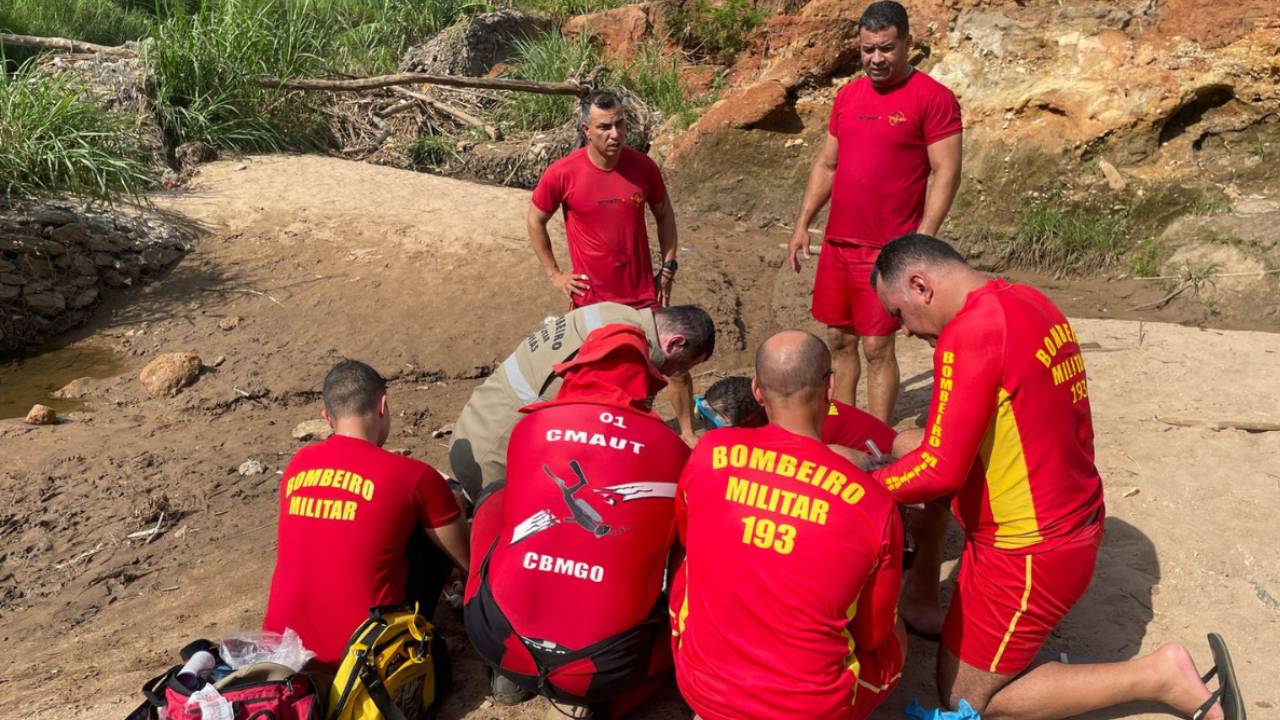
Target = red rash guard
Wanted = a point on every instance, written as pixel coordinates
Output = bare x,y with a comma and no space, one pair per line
1009,427
882,170
766,624
347,509
579,558
604,223
850,427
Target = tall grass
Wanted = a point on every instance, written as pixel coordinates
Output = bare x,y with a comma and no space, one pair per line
550,57
1067,239
54,139
655,77
96,21
562,9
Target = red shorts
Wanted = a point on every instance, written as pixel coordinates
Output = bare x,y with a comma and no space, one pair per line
842,292
1005,605
878,674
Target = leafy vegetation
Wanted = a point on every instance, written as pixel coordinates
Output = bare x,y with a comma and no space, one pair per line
547,57
717,31
55,138
1064,238
562,9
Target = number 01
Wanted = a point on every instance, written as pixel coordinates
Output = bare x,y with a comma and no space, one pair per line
766,534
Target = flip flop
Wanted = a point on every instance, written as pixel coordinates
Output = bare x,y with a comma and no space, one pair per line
1228,692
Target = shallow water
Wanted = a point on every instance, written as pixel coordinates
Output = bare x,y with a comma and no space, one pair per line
32,380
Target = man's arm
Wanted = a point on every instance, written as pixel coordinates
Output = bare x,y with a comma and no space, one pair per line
665,216
966,381
566,282
452,539
878,603
944,164
816,194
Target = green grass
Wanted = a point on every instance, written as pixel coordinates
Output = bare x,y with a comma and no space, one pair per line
1144,260
431,151
716,31
97,21
1067,239
550,57
562,9
654,77
55,139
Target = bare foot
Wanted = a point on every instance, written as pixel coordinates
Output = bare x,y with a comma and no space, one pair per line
1181,687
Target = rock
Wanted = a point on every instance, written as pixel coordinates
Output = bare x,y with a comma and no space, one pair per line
619,31
71,233
241,166
104,260
217,362
1114,179
316,429
48,304
12,279
474,45
74,390
82,265
445,431
84,298
53,216
190,154
115,279
41,415
251,467
230,322
10,292
744,108
170,372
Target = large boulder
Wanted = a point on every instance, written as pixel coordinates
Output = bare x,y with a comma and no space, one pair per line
170,372
474,45
619,31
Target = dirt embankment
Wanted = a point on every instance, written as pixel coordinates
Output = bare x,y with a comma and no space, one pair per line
431,280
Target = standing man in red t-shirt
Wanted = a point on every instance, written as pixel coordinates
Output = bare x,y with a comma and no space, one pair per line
890,166
603,189
349,511
1010,441
765,624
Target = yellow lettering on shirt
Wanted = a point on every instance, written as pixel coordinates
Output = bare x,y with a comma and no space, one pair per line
327,508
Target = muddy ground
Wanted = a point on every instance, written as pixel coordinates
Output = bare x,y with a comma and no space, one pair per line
431,280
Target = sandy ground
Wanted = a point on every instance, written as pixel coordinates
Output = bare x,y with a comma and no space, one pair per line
431,280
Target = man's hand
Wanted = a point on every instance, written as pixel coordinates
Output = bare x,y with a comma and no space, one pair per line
570,284
663,282
799,244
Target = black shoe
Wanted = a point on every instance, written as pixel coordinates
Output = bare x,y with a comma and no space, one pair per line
506,692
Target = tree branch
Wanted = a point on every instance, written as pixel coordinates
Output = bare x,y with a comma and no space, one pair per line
65,45
569,87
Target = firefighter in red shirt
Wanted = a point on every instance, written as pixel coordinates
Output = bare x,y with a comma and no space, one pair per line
890,165
351,515
765,624
570,551
603,190
1010,438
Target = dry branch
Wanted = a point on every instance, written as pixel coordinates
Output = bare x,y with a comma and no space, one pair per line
569,87
1246,425
65,45
461,116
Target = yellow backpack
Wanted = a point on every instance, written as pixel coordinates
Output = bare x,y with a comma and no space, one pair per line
388,670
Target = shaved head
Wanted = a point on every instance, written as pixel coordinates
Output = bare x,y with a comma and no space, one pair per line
792,366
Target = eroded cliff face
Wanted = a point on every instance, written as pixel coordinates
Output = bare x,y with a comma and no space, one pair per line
1099,103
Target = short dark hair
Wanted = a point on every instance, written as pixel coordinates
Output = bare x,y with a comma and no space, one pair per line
694,323
352,388
884,15
732,398
908,249
603,99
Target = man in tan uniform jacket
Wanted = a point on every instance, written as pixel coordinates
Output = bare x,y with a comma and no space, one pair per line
679,338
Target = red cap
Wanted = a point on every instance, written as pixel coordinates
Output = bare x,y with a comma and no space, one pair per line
611,368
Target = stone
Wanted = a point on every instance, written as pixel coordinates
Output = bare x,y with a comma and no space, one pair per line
474,45
41,415
84,298
5,266
53,216
317,429
10,292
230,322
12,279
71,233
170,372
74,390
104,260
48,304
251,467
115,279
1115,180
111,243
190,154
81,265
619,31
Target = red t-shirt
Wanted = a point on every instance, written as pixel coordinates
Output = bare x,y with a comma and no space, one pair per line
848,426
587,522
604,223
1010,431
347,509
882,169
792,570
